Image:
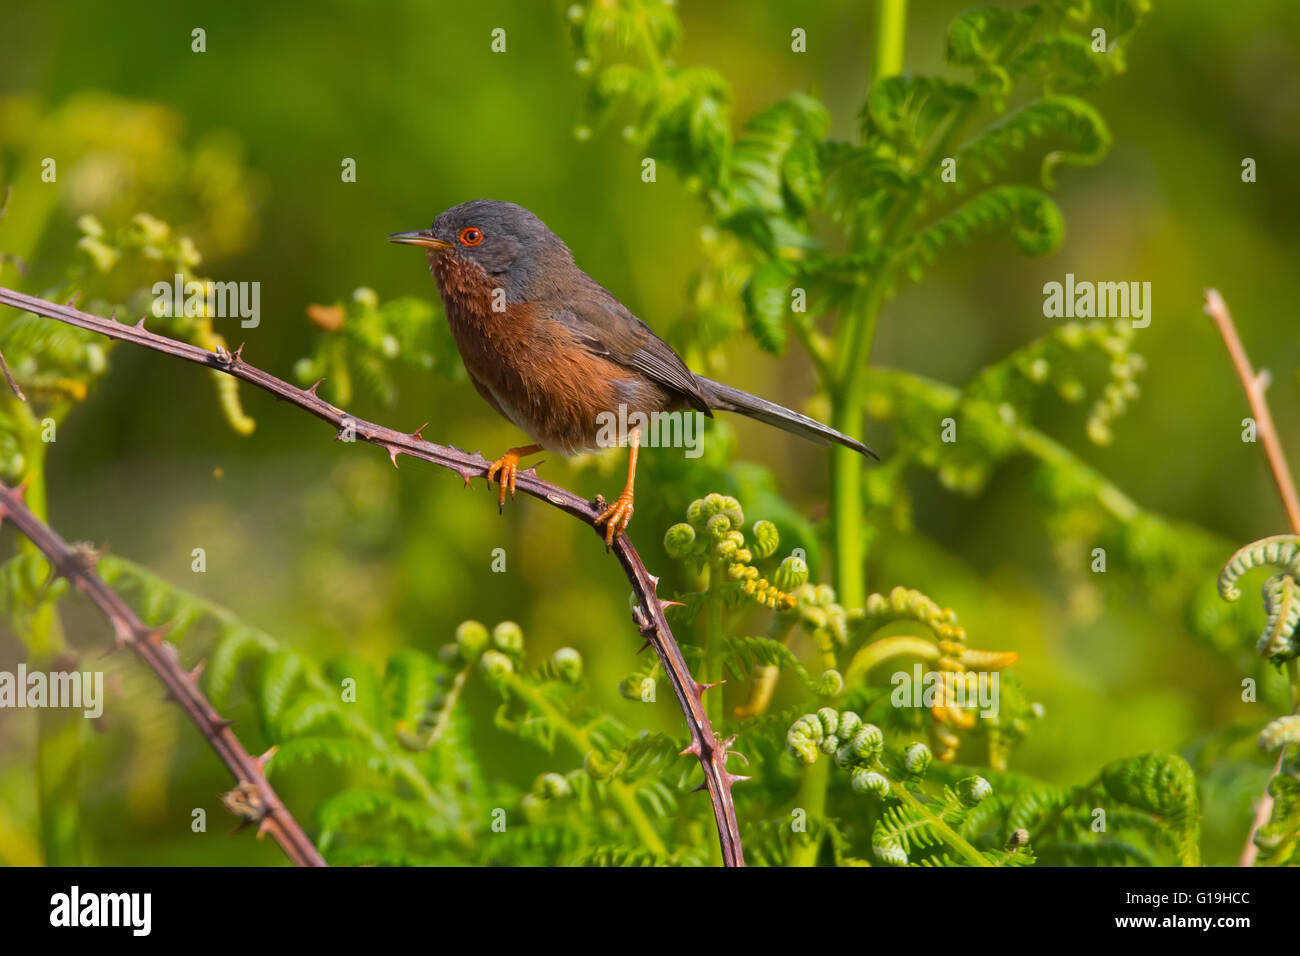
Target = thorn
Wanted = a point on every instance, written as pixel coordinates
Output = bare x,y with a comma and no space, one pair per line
392,454
701,688
692,749
668,604
641,649
158,633
72,303
731,778
261,761
315,385
234,359
140,324
198,669
700,787
221,723
264,827
118,643
416,434
467,478
654,583
113,316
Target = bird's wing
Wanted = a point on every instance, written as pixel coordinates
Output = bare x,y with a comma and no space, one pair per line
605,327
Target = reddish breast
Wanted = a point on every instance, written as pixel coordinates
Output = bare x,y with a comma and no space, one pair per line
542,380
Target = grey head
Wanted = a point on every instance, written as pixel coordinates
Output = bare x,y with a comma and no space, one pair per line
504,239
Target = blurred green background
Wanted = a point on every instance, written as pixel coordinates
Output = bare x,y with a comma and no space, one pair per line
330,549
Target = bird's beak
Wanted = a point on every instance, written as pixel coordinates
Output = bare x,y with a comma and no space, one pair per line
421,237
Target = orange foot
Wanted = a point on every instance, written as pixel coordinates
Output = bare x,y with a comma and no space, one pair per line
616,516
504,470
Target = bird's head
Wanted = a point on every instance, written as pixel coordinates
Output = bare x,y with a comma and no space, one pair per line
503,239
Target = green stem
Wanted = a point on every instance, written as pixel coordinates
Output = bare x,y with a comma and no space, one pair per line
58,731
811,798
858,327
891,28
713,641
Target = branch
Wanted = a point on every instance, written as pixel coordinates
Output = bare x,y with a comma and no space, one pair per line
1255,383
649,617
253,799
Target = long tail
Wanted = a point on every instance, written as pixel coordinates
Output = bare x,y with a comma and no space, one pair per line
728,399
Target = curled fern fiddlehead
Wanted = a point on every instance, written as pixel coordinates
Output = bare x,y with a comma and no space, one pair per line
1281,592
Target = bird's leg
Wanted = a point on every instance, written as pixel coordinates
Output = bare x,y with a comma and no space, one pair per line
617,515
505,468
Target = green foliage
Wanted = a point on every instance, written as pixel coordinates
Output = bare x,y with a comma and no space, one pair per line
806,238
364,340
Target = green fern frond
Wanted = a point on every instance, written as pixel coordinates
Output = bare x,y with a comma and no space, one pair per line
1278,641
1164,786
744,655
1032,217
1064,116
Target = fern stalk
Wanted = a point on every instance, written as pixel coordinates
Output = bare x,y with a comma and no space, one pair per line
948,834
858,327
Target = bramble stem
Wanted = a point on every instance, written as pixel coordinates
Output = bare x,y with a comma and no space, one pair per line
79,568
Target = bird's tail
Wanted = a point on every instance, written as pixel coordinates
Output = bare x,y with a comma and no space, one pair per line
727,399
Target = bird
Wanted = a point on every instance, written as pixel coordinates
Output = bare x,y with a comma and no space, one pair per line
555,353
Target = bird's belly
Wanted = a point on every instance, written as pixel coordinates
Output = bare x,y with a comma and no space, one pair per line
548,385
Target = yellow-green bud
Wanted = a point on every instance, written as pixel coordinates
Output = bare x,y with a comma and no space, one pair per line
551,786
766,539
917,759
495,665
568,664
869,781
471,637
792,573
679,540
509,637
971,790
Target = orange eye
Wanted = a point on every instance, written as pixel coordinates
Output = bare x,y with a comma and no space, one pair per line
469,236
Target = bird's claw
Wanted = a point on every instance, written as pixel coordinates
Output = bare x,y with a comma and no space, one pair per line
616,517
504,470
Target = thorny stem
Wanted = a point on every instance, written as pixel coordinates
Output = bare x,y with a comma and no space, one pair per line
709,749
404,767
78,566
1254,384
